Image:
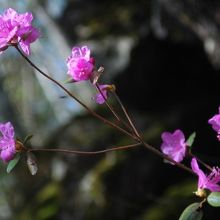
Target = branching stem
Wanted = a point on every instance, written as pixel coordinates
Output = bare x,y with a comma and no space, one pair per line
136,136
75,98
88,153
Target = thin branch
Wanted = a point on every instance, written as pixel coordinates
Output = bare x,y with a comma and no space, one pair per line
112,109
157,152
136,137
146,145
106,102
78,152
75,98
126,114
201,162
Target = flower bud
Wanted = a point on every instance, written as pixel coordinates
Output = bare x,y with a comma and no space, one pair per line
19,147
201,193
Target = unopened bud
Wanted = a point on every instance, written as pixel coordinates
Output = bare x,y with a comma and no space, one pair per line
201,193
19,146
111,88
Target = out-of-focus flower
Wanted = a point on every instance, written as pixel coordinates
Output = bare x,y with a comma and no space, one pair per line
102,96
215,122
174,145
207,182
80,65
7,142
16,29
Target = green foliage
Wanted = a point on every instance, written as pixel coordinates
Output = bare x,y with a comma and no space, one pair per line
47,211
192,212
28,138
214,199
44,205
12,164
164,207
49,191
191,139
48,197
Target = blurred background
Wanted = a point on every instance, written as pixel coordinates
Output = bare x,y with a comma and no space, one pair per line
164,58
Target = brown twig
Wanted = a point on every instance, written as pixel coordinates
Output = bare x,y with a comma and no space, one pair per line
158,153
201,162
126,114
112,109
75,98
136,137
78,152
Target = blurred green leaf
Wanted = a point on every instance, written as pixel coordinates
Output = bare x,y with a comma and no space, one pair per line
28,138
192,212
12,164
164,207
214,199
47,212
191,139
49,191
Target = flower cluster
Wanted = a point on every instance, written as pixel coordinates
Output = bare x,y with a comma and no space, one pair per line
81,68
16,29
80,65
7,142
207,182
175,146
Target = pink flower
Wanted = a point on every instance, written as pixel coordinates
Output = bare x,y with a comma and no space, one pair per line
17,28
7,142
80,65
27,36
215,122
174,145
207,182
101,98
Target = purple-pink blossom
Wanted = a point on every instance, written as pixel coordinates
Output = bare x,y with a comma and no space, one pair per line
174,145
16,29
7,142
80,64
207,181
102,96
215,122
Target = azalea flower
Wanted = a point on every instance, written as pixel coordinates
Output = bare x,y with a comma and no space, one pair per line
80,65
100,98
7,142
215,122
174,145
207,181
16,29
